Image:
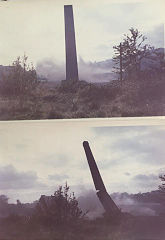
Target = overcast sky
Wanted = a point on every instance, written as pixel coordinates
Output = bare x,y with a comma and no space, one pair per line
36,27
37,157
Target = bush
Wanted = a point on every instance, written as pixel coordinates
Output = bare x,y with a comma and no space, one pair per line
58,209
20,80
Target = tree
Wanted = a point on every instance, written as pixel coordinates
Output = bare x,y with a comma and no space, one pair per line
60,208
118,60
4,206
3,200
162,187
19,203
158,62
20,80
129,54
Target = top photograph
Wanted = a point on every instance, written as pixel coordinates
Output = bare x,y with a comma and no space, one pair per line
81,59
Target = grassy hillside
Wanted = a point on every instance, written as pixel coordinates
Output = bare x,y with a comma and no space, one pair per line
85,100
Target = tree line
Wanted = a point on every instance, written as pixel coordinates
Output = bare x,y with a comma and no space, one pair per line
59,208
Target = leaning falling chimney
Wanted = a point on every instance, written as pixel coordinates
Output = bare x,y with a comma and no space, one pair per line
70,45
110,207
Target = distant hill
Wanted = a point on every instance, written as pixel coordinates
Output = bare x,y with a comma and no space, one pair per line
106,64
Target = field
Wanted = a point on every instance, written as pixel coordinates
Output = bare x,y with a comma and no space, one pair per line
131,228
86,100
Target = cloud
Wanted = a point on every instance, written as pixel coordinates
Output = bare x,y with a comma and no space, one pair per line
128,174
58,177
60,154
156,36
141,178
11,179
141,144
146,181
97,24
55,160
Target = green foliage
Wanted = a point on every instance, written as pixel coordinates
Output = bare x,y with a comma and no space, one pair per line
60,208
4,207
131,50
131,228
135,98
20,80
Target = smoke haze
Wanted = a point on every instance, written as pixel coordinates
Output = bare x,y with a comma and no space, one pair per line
90,203
51,70
88,71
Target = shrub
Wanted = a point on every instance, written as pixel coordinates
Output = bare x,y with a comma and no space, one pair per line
20,81
58,209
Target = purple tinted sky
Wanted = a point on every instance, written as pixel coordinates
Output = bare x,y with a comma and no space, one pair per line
35,158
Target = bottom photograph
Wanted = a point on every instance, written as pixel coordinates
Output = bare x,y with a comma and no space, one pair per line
69,181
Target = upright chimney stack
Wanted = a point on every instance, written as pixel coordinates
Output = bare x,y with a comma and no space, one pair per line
70,45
